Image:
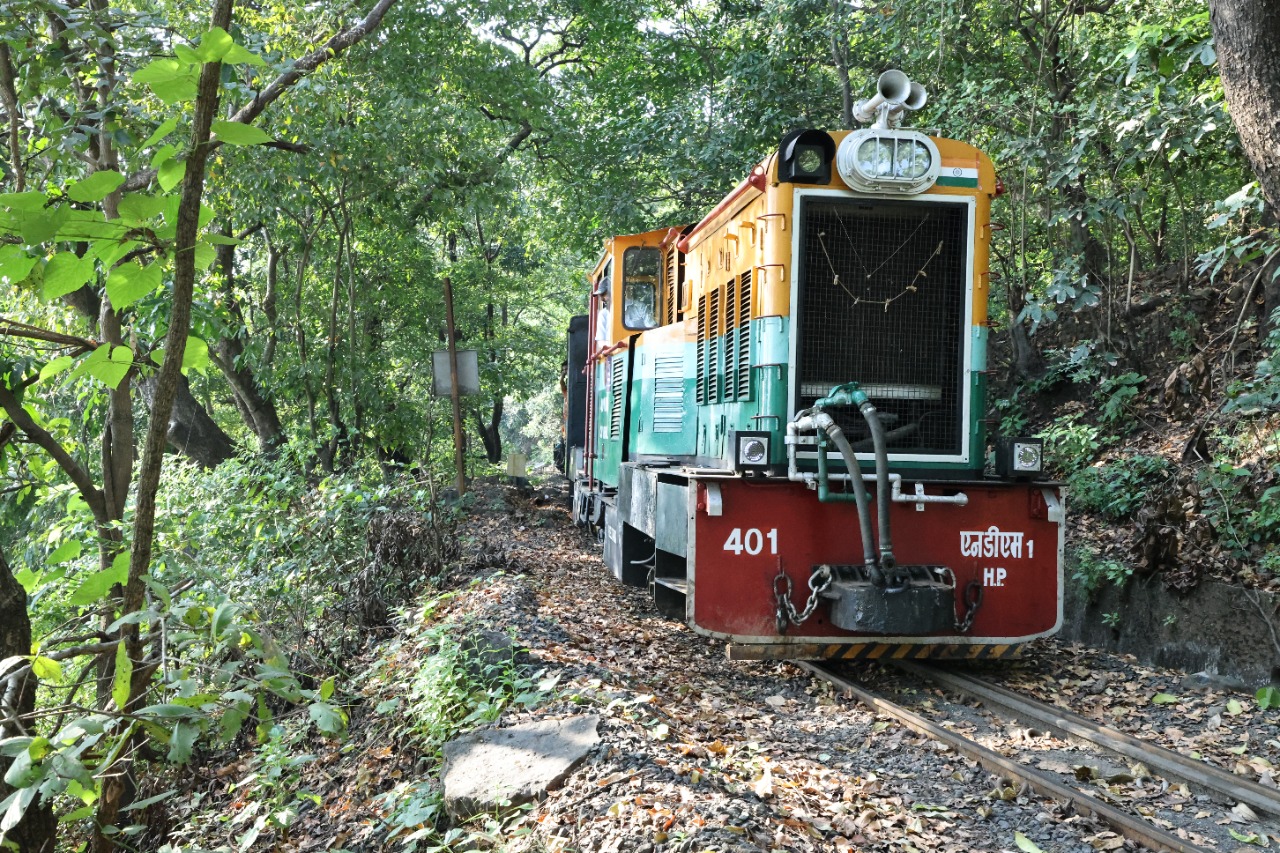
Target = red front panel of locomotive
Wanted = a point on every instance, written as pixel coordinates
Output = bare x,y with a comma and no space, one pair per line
1008,538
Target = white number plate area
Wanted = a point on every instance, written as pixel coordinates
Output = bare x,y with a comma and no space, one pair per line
752,541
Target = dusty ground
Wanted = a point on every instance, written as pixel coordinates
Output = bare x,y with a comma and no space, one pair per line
703,754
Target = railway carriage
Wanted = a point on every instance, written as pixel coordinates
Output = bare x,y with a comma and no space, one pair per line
774,417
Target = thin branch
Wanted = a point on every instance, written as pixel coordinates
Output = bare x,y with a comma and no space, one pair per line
331,49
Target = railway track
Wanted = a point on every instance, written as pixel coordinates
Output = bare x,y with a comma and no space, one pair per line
1160,761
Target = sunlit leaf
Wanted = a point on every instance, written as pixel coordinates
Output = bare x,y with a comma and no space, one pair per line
96,187
131,281
239,133
64,274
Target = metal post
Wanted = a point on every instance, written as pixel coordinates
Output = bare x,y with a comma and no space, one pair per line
459,457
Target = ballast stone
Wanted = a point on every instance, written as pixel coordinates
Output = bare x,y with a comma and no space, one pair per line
491,769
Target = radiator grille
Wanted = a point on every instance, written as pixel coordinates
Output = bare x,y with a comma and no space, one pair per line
883,303
743,345
668,393
673,269
615,392
715,361
703,346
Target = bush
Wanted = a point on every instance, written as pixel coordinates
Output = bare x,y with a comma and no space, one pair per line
1117,490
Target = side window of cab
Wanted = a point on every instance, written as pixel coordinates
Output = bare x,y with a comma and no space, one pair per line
641,273
604,313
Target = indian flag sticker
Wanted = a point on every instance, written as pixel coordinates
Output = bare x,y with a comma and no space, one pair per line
954,176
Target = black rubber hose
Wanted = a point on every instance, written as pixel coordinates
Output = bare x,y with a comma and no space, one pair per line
883,499
860,497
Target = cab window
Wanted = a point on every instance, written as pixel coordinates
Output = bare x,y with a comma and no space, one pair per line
604,292
641,268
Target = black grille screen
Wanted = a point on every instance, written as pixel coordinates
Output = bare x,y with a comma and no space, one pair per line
883,303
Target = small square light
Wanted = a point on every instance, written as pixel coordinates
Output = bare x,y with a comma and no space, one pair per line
751,451
1020,457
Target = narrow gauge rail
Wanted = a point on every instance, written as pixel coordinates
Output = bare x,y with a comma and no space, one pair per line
1165,761
1127,825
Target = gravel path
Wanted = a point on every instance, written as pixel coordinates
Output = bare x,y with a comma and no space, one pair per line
701,753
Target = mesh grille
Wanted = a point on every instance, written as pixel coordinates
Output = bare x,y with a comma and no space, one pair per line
882,303
668,393
615,391
703,346
715,371
744,337
673,266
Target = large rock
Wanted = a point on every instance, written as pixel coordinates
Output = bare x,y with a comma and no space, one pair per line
492,769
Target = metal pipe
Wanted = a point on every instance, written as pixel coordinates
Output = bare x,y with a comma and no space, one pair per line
823,423
868,411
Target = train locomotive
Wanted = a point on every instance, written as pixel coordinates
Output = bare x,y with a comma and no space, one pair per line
774,417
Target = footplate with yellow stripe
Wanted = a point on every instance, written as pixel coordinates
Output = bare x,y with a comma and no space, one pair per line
872,651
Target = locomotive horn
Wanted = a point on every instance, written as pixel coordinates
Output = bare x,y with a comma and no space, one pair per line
893,88
916,99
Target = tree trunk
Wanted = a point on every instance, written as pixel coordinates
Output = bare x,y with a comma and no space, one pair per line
191,431
256,409
37,831
489,433
1246,34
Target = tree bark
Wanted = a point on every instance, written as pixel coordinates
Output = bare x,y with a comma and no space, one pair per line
37,831
256,408
1246,34
191,431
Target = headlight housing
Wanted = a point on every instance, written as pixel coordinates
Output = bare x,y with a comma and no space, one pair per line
751,450
883,160
1020,458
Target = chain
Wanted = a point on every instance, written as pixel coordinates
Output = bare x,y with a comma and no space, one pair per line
785,614
972,601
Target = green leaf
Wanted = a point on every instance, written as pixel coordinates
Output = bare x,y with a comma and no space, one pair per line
1251,838
195,356
221,240
56,366
170,173
46,669
1026,845
41,226
181,742
96,187
239,133
162,70
122,685
40,746
166,127
131,281
23,771
98,584
106,364
169,711
1164,699
1268,697
30,201
176,91
15,264
140,207
68,550
328,718
1234,708
149,801
215,44
326,688
65,273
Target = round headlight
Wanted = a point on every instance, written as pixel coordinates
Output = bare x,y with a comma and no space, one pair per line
875,158
754,451
913,159
1027,457
809,160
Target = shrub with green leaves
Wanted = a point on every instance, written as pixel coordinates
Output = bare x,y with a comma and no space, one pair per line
1118,489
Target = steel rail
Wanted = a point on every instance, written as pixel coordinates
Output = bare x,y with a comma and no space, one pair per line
1122,822
1156,757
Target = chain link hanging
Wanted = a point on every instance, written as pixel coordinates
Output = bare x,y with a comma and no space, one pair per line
786,614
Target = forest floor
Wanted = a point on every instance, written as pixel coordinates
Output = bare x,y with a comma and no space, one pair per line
697,752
